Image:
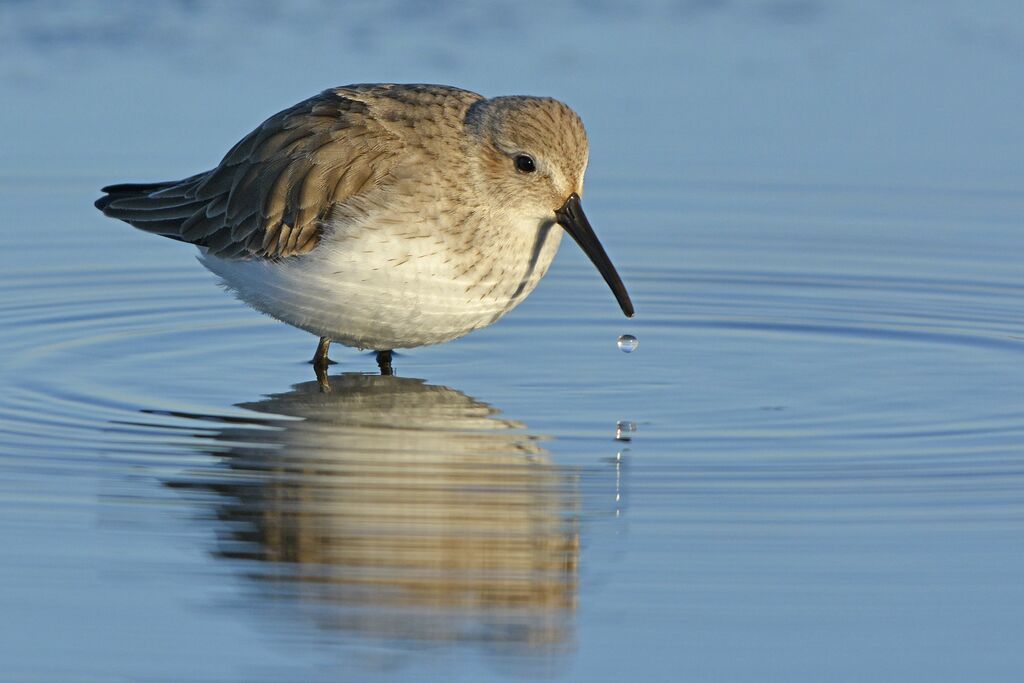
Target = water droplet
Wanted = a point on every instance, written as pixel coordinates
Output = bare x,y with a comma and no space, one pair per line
624,430
628,343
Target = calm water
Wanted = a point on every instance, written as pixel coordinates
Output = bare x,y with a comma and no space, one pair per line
821,230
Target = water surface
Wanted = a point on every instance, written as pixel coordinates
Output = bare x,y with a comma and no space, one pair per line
826,480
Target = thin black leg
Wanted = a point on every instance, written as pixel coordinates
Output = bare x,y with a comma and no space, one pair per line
384,362
321,362
320,359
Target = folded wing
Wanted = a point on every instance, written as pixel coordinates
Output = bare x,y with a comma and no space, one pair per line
272,193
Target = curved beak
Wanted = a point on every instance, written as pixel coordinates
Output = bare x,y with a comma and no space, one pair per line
571,217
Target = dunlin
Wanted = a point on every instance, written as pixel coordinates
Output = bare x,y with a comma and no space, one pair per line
385,216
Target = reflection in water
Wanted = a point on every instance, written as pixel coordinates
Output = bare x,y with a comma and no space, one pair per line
397,509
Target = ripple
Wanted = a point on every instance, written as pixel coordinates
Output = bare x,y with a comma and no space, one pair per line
383,508
779,409
127,321
886,309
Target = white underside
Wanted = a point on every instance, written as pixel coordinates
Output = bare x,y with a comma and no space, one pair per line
374,289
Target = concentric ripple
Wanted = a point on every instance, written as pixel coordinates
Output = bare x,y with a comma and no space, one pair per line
793,410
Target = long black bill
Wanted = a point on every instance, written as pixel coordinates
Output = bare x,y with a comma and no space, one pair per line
571,217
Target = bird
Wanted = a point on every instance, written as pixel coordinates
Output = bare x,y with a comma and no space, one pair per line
385,216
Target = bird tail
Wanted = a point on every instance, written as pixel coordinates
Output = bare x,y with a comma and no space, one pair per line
159,208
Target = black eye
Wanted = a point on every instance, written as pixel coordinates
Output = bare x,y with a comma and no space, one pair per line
524,163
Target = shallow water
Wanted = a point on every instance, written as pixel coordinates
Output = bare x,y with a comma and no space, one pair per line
826,480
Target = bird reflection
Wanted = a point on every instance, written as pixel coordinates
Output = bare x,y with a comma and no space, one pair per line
390,508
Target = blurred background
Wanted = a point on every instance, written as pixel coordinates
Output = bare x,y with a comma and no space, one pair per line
782,90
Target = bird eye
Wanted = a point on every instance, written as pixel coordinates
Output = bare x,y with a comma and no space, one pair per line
524,164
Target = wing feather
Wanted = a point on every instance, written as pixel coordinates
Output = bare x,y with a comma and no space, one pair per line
271,194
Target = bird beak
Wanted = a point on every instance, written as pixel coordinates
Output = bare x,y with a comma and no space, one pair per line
571,217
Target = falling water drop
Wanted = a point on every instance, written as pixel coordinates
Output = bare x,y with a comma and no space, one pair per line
628,343
624,430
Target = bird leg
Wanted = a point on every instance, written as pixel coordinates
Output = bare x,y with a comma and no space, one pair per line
384,362
320,360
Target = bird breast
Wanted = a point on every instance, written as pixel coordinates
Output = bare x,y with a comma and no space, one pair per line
401,279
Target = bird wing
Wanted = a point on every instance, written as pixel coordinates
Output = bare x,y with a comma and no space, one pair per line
271,194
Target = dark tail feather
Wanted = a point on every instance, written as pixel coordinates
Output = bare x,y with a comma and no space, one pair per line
160,208
130,191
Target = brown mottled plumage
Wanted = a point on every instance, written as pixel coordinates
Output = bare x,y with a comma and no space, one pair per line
384,216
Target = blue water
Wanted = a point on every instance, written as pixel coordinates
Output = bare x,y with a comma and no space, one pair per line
817,209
